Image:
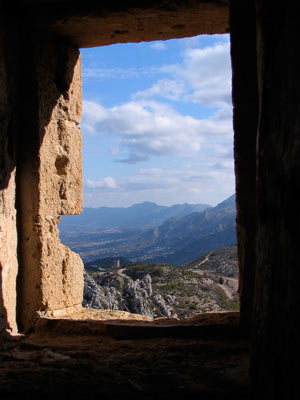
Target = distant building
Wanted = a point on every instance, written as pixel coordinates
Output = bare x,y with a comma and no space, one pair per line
117,263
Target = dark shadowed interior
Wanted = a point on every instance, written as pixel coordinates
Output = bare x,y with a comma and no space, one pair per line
46,352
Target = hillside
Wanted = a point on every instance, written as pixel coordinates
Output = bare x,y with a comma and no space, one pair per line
106,263
142,216
186,238
220,261
178,240
163,290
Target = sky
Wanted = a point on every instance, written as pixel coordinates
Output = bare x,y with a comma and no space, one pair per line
157,122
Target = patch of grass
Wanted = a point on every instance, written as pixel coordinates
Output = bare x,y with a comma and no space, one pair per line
190,274
155,270
172,286
227,304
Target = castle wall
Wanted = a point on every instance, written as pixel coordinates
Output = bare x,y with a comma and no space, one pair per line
275,366
8,228
245,120
50,180
38,274
90,23
40,157
40,174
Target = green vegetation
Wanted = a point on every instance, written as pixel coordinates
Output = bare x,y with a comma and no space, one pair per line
156,271
227,304
191,291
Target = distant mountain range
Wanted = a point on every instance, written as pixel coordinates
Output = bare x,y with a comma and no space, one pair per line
142,216
186,238
178,239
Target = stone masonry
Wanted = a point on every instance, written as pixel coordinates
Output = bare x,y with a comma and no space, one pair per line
40,161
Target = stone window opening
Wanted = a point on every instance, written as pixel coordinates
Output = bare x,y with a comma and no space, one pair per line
40,109
216,296
48,174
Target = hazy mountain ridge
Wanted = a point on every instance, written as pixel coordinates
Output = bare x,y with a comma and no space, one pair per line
178,240
188,237
143,215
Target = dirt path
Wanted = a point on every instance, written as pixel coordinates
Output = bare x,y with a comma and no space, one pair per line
206,259
120,273
233,283
229,287
229,292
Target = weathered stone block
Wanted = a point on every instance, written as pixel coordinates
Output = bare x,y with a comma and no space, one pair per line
60,169
51,184
61,270
8,228
8,258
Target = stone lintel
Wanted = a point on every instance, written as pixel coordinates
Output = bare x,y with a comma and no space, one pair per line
93,23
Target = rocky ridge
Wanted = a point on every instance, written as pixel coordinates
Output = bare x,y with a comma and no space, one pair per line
134,296
162,290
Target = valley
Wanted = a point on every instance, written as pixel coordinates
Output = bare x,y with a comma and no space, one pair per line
178,240
160,262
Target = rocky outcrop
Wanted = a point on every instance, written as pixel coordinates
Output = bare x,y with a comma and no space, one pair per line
162,290
125,294
96,296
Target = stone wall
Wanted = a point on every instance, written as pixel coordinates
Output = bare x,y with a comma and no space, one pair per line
8,230
41,169
8,257
50,180
40,174
275,362
38,273
245,120
91,23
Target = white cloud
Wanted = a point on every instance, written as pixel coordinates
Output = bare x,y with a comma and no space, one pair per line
204,76
147,128
92,113
199,184
107,182
167,88
151,171
207,73
158,46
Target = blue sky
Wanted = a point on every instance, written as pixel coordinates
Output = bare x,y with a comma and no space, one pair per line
157,122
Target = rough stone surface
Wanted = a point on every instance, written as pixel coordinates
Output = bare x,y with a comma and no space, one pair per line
275,362
245,104
8,229
85,363
89,24
36,36
123,293
47,104
43,89
51,183
8,257
95,296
